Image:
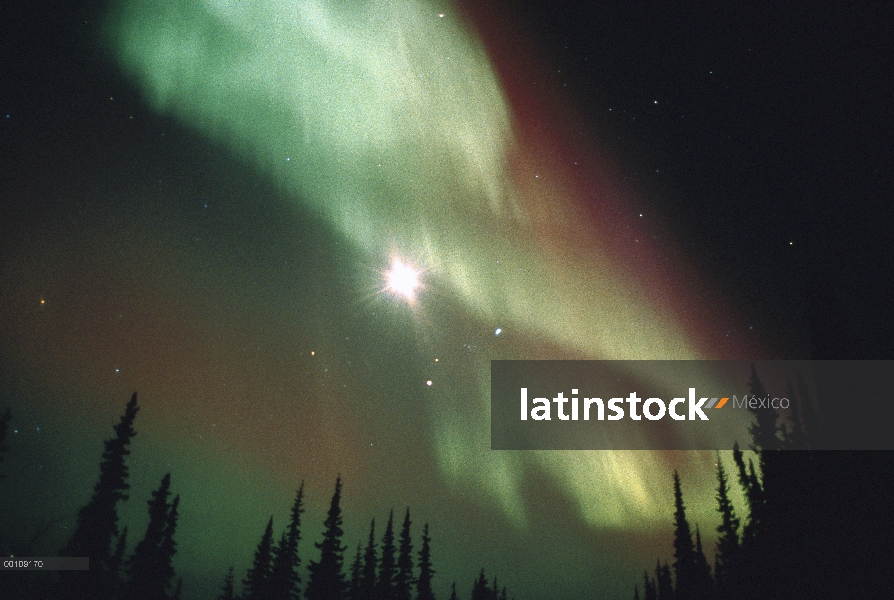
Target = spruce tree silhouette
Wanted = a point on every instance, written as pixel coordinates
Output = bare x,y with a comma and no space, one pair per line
356,569
97,523
852,549
753,492
794,478
684,553
117,559
227,592
426,572
728,550
453,591
765,572
149,570
793,437
821,526
404,580
387,565
168,546
763,430
704,583
327,578
254,586
480,591
284,579
367,585
649,591
765,511
813,427
664,582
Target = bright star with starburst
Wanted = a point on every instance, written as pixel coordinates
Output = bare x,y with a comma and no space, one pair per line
402,280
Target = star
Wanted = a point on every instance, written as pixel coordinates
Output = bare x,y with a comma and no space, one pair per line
402,280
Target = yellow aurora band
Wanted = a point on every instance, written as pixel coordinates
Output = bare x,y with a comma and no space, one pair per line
388,119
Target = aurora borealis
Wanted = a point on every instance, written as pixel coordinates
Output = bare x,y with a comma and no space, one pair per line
213,204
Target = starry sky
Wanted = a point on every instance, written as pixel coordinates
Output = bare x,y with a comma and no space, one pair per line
205,202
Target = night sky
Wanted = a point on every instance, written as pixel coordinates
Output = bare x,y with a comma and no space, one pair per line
205,202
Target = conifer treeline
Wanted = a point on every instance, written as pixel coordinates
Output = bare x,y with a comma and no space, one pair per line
814,524
393,573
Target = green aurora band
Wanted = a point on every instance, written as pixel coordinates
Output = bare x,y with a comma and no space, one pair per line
389,120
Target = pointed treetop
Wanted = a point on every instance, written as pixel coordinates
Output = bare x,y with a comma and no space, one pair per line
326,580
226,593
403,581
368,574
684,553
387,563
426,572
284,578
98,521
763,430
356,570
150,569
258,576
